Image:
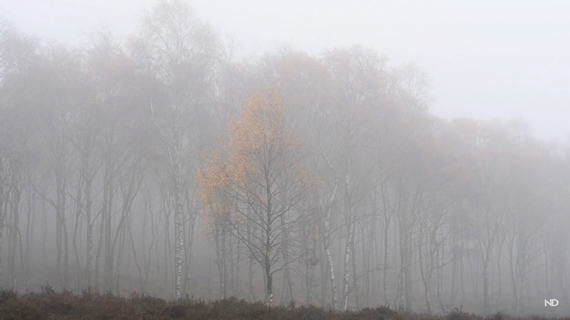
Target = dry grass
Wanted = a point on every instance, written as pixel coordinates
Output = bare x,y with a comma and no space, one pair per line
49,304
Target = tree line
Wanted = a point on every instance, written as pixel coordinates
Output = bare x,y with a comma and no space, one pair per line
168,164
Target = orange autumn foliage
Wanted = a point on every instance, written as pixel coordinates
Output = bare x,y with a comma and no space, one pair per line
262,152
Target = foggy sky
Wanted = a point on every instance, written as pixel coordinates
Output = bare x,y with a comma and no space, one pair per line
487,59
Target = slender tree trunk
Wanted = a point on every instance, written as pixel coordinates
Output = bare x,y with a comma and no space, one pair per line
75,229
58,231
462,275
386,260
224,260
454,265
439,275
327,243
22,260
311,272
44,232
330,266
167,258
121,256
423,272
367,257
16,198
408,282
512,269
485,287
101,234
324,273
308,284
108,211
268,247
137,263
269,287
88,204
65,252
401,288
30,224
347,256
499,278
231,272
153,232
403,274
221,260
251,263
285,252
355,271
176,165
189,244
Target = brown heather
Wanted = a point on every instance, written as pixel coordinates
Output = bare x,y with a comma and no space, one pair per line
90,305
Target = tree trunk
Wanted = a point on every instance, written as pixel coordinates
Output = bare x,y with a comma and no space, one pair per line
15,206
137,263
354,270
330,266
269,287
439,275
175,162
286,272
386,260
88,204
347,256
251,288
108,209
324,273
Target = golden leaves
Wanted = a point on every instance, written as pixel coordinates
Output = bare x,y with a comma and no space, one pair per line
262,153
263,146
261,135
212,178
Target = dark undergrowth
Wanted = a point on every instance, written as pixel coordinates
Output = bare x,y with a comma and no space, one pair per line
49,304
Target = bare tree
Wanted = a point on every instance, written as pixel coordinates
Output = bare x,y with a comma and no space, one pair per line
178,50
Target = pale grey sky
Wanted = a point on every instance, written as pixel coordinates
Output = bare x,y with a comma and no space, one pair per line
487,59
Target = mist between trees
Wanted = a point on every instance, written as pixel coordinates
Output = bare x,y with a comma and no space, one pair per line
166,165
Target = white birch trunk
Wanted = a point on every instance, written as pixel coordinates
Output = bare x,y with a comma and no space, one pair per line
350,239
347,256
330,264
178,220
88,203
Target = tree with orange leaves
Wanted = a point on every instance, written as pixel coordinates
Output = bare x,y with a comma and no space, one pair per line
258,179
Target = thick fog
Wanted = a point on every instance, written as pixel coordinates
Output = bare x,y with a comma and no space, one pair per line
408,154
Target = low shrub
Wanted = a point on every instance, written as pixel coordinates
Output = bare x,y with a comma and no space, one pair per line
90,304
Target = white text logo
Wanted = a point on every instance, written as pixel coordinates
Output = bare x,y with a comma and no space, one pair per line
551,302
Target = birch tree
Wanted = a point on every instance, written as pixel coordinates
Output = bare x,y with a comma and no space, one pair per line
262,183
178,50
